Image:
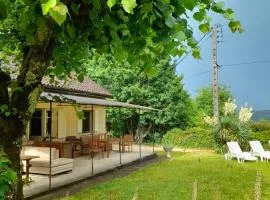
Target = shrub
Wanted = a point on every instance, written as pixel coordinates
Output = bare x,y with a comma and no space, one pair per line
7,176
229,129
232,126
261,131
263,136
260,126
190,138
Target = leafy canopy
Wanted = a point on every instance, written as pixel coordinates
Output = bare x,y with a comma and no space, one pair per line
133,30
127,83
204,99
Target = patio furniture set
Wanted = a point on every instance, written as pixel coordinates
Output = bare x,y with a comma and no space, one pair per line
257,151
35,156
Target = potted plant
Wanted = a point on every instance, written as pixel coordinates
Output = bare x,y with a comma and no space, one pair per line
167,146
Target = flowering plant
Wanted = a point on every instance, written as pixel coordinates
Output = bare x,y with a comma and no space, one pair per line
232,125
230,106
212,121
245,114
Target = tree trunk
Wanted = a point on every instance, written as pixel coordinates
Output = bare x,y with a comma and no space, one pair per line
22,102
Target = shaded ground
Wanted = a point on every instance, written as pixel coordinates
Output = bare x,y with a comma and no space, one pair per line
83,170
117,173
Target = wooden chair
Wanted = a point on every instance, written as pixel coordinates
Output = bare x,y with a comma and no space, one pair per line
85,143
127,140
95,147
76,145
106,144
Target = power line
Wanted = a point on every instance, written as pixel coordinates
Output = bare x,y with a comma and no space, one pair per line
247,63
229,65
198,74
187,54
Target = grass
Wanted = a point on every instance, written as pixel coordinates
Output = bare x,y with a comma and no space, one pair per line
199,176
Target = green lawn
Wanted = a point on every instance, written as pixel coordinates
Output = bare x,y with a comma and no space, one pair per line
177,178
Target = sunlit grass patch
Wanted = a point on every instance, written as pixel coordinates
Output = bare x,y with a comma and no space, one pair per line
202,174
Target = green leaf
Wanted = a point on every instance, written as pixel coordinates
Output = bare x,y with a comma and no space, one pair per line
235,26
151,72
146,8
3,10
180,36
190,4
170,21
59,13
111,3
80,77
229,14
46,5
196,53
205,28
97,4
80,114
220,5
70,30
59,69
75,8
7,114
199,16
129,5
167,1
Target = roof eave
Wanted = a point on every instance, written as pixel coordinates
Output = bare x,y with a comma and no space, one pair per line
48,88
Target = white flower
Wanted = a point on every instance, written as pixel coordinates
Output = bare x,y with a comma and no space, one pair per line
212,121
245,114
230,106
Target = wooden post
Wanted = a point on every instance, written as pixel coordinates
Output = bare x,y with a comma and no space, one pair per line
92,130
215,73
120,144
50,138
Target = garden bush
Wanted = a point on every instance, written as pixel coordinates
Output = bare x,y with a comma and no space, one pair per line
232,126
262,125
262,136
191,138
261,131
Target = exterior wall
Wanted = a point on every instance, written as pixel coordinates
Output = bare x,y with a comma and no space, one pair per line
65,121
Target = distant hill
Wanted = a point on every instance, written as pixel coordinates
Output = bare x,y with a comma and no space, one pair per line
261,114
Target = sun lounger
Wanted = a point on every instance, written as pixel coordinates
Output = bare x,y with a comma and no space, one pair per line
257,150
236,152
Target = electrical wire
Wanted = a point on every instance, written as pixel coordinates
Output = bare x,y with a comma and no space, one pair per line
247,63
187,54
198,74
229,65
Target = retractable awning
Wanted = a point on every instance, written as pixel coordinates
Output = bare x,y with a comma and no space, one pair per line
67,98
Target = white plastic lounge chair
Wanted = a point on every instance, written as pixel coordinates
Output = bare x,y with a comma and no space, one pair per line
236,152
257,150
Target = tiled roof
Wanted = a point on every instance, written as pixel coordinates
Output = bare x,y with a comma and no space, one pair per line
86,88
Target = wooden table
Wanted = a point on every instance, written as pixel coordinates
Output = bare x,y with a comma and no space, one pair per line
28,165
64,147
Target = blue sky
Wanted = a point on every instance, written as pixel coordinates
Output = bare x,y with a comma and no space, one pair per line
248,83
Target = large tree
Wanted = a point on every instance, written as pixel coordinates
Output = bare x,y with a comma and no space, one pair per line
204,99
53,37
163,90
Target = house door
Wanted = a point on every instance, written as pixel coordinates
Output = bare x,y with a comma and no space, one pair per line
35,126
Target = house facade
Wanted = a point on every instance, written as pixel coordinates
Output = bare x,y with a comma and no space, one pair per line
61,118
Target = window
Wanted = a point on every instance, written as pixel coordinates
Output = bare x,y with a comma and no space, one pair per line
35,126
87,122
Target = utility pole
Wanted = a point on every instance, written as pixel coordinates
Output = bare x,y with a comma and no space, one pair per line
215,73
